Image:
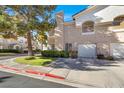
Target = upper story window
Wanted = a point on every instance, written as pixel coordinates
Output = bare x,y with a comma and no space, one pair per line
118,20
88,26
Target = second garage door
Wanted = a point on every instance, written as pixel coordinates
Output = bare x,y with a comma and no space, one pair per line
117,50
87,50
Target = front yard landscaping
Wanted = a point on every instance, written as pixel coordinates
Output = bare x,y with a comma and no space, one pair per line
36,61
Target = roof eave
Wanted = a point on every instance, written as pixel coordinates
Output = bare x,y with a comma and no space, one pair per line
83,11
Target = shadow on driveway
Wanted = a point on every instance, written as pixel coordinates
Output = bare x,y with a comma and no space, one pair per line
83,64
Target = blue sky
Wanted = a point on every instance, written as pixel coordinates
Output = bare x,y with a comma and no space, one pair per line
70,10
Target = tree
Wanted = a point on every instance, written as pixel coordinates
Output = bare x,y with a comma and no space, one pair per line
33,18
42,38
7,24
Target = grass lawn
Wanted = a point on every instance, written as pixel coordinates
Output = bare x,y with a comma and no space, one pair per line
36,61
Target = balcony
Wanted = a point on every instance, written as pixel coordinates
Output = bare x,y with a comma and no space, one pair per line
117,28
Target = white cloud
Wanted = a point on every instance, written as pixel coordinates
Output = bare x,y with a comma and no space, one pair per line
67,17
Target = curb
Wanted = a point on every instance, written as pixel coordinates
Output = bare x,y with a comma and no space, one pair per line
32,72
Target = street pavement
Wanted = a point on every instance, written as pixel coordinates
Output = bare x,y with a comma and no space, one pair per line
8,80
84,72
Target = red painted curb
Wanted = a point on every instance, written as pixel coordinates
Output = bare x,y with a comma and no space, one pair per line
1,65
45,74
33,72
11,68
54,76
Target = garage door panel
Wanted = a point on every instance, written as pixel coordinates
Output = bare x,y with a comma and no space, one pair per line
117,50
87,50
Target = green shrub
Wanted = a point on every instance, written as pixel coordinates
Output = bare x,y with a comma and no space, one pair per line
54,53
64,54
9,51
100,56
73,54
35,51
109,58
30,58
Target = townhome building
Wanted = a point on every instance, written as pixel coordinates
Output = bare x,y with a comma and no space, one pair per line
97,30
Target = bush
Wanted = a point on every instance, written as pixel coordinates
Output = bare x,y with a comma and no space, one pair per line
30,58
73,54
109,58
9,51
53,53
100,56
35,51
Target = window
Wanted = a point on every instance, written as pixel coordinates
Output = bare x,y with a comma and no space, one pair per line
68,46
118,20
88,26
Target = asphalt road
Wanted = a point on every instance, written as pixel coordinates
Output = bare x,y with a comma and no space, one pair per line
8,80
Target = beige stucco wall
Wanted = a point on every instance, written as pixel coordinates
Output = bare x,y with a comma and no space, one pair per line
59,35
102,37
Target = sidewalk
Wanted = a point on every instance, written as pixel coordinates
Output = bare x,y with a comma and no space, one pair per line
94,76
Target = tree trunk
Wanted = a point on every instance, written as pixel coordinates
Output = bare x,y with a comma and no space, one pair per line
30,50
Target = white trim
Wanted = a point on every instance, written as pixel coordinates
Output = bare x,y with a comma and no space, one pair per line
88,33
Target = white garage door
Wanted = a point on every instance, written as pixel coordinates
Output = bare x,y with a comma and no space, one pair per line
117,50
87,50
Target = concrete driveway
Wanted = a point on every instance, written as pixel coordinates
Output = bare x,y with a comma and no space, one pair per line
92,73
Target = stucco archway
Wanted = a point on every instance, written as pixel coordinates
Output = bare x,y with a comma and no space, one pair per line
117,20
